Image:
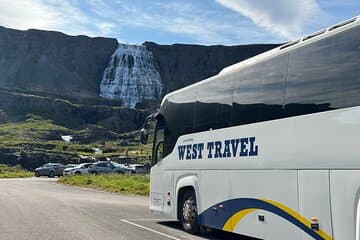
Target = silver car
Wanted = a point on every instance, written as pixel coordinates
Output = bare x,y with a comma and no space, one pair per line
109,167
82,168
50,169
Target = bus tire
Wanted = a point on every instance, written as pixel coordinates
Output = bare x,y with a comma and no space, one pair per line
188,212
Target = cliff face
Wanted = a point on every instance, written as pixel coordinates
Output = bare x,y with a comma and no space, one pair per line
180,65
53,62
73,67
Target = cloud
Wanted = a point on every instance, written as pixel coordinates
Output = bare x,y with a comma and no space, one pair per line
186,19
26,14
59,15
287,18
194,21
171,17
105,28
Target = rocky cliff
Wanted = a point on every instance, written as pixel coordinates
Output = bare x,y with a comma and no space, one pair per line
52,62
80,67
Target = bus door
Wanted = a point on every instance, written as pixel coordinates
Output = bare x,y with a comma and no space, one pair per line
153,133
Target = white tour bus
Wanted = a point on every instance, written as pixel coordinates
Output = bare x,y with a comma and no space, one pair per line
269,147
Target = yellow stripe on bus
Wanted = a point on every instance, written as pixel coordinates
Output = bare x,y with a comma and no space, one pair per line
229,226
237,217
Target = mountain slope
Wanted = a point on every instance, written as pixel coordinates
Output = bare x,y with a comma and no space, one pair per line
53,62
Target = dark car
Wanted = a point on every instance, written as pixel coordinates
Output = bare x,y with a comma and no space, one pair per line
109,167
50,169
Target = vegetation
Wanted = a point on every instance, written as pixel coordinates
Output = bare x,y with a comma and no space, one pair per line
118,183
13,172
34,141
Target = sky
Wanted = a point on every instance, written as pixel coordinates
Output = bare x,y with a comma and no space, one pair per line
208,22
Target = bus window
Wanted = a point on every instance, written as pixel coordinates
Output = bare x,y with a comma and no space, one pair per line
159,147
312,84
246,97
272,78
147,133
205,111
159,141
347,51
213,105
178,111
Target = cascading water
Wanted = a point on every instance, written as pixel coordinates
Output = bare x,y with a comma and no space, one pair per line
131,76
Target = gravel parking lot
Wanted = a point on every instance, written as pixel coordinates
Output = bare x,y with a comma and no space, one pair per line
39,208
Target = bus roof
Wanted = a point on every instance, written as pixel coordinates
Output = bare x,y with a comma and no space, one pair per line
287,47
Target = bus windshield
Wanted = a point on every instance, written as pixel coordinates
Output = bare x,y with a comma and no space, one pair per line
153,134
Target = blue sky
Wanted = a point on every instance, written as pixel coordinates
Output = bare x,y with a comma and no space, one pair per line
227,22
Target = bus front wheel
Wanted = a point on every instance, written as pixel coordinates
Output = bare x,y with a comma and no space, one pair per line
189,213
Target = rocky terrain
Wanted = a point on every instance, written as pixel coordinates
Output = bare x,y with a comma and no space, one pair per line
52,62
93,88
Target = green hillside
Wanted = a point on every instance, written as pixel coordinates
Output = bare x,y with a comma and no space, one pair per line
35,140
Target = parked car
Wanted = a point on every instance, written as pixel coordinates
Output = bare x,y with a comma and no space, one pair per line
50,169
139,168
82,168
109,167
70,165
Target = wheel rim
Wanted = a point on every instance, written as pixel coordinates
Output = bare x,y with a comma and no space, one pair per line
189,211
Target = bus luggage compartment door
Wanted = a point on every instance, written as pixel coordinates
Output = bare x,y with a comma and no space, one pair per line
262,201
314,201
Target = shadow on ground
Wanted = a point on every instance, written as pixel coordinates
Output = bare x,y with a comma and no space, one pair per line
213,234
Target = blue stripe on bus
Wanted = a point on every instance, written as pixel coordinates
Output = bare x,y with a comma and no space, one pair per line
217,217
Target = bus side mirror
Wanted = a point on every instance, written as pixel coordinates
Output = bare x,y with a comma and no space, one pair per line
144,136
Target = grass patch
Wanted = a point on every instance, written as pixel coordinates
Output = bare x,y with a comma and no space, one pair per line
37,135
13,172
129,184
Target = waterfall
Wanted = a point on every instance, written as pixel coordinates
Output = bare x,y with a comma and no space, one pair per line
131,76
